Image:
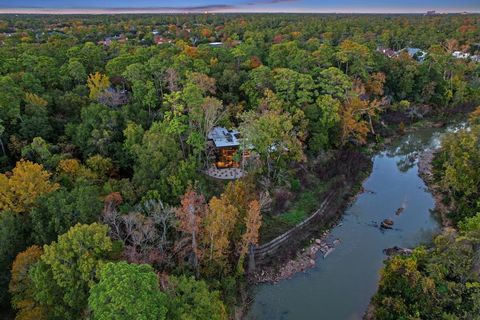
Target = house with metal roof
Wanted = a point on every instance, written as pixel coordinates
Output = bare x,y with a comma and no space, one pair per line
226,144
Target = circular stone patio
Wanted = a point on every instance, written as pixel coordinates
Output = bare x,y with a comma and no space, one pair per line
225,174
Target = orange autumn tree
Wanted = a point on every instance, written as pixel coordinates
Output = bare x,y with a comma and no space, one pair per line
255,62
21,287
218,226
20,189
361,105
253,222
206,33
190,215
354,126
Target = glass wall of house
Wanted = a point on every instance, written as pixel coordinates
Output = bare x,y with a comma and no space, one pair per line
225,158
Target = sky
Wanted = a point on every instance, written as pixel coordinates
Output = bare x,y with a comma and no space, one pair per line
350,6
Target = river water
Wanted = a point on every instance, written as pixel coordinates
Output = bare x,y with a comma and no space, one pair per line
341,285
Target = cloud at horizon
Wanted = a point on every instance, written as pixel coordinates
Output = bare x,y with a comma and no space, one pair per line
105,6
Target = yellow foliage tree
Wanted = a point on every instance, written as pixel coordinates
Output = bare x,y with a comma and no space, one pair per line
34,100
97,83
218,226
20,188
239,194
191,52
253,222
69,166
21,287
357,112
74,169
474,117
353,124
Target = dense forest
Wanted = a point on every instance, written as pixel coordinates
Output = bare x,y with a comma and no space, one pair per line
105,147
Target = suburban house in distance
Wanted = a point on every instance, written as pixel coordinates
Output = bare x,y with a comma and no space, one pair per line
415,53
225,144
387,52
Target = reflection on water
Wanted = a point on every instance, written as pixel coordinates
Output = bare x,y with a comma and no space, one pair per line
340,286
408,148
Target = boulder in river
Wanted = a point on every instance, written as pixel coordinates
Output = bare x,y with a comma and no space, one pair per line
386,224
397,251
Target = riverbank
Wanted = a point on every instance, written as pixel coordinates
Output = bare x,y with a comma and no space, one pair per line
426,172
304,260
303,256
283,260
345,281
300,257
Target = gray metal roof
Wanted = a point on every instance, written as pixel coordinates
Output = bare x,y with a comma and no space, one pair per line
222,137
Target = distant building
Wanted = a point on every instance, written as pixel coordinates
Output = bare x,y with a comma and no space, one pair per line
461,55
161,40
216,44
107,41
431,13
387,52
416,53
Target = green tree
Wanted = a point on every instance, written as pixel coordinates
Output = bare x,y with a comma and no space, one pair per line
273,136
127,291
323,119
10,100
190,299
89,55
74,71
295,89
289,55
355,57
459,171
334,82
99,132
156,159
34,120
68,269
58,211
14,237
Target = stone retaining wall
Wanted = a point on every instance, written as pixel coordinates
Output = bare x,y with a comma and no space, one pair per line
291,240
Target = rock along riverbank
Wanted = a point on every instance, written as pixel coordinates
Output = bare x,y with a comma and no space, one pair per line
304,260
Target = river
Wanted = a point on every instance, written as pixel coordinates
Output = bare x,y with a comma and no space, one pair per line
341,285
